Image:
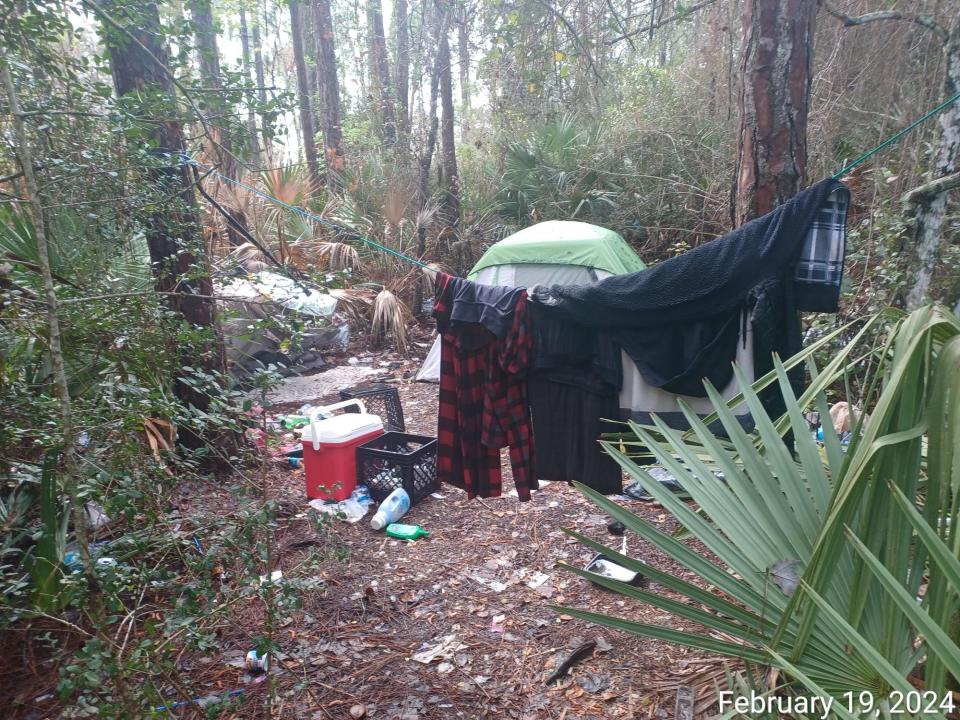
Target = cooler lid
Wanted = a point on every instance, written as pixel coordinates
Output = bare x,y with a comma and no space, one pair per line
341,428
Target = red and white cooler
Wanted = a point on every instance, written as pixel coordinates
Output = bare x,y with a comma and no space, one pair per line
330,450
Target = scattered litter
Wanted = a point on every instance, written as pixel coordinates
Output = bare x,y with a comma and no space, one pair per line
541,483
96,516
496,623
446,648
601,565
349,509
537,580
393,507
256,663
580,653
203,702
358,711
594,682
437,496
275,577
406,532
663,476
615,527
490,583
256,438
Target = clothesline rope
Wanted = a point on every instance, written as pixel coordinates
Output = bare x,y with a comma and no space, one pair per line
316,218
896,136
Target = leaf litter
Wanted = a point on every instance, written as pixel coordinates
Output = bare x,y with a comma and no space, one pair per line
457,626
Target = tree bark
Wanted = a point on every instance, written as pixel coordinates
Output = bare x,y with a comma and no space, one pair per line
463,49
380,86
261,78
448,151
931,211
423,171
247,74
173,231
776,60
401,28
329,88
205,32
304,97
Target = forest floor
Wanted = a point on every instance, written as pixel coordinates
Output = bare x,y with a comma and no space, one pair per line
478,591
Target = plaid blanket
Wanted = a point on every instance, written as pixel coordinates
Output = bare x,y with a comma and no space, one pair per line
820,262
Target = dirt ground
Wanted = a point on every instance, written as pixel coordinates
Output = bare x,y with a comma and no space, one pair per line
457,625
478,592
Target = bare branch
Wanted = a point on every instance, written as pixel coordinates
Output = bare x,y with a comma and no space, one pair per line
928,191
666,21
888,15
576,37
620,23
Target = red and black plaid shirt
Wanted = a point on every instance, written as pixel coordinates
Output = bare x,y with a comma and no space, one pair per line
483,402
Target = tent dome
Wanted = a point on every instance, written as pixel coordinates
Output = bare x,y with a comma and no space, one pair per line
563,242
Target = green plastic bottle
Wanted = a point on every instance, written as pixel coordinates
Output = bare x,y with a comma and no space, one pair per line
406,532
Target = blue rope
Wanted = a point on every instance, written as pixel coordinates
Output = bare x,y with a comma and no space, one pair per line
315,218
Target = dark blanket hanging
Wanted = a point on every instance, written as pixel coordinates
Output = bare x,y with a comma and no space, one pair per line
680,320
574,384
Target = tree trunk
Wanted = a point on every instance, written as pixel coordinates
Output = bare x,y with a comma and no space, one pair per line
303,95
201,12
248,76
173,232
776,59
380,86
423,171
931,213
401,27
261,79
329,88
448,152
463,48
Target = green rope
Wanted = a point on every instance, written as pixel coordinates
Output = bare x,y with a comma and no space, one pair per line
893,138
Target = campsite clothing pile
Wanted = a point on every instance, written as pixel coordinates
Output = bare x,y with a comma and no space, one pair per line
680,320
574,385
484,405
680,323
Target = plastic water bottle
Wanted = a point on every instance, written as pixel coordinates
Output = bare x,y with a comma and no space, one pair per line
394,507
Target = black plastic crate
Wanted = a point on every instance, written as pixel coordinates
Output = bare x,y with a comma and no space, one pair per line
397,459
379,399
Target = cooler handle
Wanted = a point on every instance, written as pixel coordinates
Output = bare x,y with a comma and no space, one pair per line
328,408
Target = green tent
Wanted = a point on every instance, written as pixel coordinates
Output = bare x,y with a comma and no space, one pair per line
561,242
557,251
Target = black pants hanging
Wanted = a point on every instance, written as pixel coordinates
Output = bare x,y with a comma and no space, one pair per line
566,426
